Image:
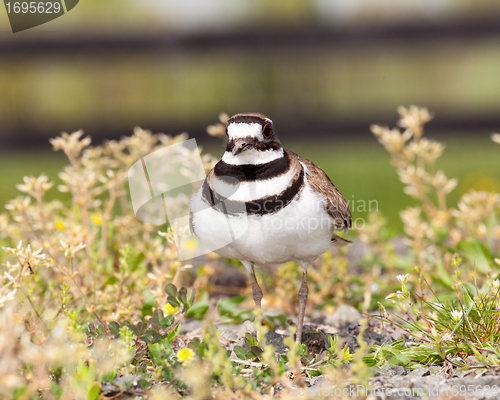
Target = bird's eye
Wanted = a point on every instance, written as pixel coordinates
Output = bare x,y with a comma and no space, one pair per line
227,134
267,130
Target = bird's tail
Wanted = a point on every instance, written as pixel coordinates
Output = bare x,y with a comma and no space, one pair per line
338,241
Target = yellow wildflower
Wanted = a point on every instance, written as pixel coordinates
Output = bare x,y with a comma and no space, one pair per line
97,219
169,309
347,355
185,355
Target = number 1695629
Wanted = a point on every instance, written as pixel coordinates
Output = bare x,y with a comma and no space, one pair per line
33,7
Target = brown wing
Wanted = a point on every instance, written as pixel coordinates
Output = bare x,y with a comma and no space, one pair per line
336,205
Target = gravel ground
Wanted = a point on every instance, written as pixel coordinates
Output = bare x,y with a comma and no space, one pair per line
395,382
433,382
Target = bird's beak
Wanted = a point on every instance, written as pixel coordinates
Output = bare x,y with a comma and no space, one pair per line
241,145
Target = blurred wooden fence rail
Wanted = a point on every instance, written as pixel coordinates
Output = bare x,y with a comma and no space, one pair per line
265,39
325,81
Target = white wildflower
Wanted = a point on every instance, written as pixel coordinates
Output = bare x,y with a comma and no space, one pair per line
8,297
457,315
69,250
400,295
403,278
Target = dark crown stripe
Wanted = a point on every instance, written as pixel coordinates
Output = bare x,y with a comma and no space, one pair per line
262,206
248,119
231,173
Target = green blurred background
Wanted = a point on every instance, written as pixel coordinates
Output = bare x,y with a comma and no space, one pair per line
323,70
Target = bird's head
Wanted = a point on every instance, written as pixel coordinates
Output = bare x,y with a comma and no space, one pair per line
248,134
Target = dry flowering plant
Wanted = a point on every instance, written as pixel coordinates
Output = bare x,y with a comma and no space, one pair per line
92,300
433,226
449,318
88,293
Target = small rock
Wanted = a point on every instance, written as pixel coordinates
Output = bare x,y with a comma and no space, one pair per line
462,374
125,384
399,334
231,335
343,316
433,379
353,329
374,337
190,325
276,340
473,362
419,372
247,326
391,371
230,330
321,381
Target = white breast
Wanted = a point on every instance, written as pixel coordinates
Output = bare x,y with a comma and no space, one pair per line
301,231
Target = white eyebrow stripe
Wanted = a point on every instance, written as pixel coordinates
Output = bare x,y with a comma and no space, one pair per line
238,130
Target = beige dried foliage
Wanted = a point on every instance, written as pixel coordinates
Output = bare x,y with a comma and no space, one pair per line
219,129
55,254
414,118
474,208
415,157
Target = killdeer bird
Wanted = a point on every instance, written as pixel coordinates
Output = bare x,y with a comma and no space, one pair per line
279,206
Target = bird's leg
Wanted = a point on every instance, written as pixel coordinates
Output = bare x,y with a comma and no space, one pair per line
256,290
303,292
